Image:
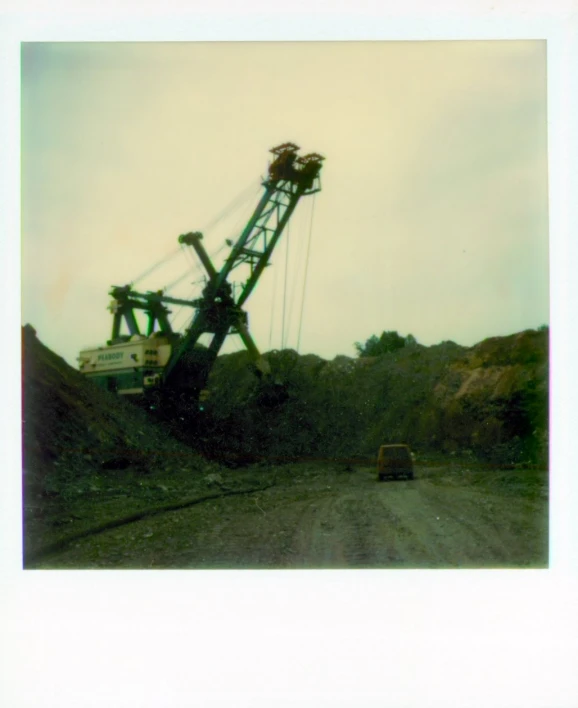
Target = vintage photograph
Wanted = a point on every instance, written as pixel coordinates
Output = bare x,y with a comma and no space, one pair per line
285,305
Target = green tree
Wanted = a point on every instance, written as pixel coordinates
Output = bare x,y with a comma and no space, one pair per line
387,342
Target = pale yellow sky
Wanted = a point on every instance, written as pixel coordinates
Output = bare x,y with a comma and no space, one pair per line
112,174
433,214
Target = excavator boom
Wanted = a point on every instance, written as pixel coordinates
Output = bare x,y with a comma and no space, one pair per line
131,363
289,178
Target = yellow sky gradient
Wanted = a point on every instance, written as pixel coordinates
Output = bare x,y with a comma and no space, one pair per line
433,214
433,220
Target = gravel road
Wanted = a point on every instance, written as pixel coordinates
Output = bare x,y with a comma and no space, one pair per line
325,515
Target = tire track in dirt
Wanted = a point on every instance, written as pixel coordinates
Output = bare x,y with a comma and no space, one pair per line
348,530
320,518
399,525
444,527
424,537
67,541
474,535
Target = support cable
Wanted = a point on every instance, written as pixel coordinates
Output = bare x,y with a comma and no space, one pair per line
196,268
181,308
162,261
306,271
273,307
238,201
180,279
184,321
298,266
283,333
175,316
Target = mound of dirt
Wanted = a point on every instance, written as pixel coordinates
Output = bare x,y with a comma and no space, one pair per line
83,444
490,399
72,429
95,464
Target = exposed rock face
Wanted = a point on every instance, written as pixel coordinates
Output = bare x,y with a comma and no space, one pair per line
491,399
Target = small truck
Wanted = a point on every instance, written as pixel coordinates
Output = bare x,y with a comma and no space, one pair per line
394,461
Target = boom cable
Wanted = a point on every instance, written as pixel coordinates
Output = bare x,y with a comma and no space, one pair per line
231,207
180,279
299,265
283,333
196,267
273,306
162,261
306,271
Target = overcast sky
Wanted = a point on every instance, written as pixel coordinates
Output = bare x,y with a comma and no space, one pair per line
433,214
432,220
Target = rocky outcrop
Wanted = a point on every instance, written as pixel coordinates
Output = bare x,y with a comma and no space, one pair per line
490,399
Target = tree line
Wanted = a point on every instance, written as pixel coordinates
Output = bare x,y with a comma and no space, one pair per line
385,343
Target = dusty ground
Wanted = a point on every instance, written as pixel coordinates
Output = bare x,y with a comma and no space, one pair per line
301,515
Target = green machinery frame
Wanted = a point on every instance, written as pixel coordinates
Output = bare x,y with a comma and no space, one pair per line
218,312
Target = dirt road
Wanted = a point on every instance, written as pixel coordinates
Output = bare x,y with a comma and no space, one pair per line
331,515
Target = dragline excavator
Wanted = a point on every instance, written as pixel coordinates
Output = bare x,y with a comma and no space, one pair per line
161,359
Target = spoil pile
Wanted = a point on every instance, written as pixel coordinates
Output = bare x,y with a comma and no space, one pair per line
95,464
490,400
89,455
72,430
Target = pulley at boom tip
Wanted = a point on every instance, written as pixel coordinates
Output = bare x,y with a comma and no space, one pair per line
291,147
300,170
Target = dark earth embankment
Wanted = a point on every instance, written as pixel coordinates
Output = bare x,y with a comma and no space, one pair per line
107,486
490,400
84,447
